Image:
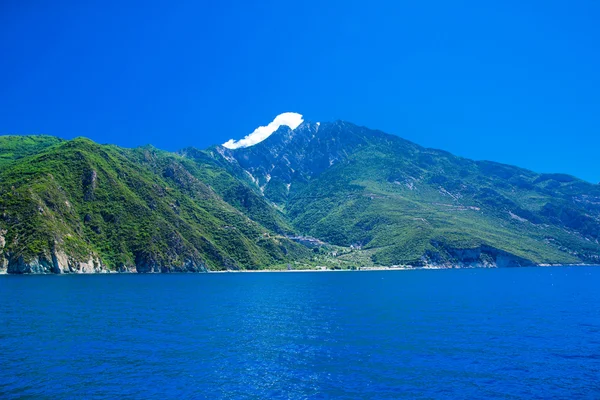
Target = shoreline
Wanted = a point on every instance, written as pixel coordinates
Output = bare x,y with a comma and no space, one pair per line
327,270
369,269
365,269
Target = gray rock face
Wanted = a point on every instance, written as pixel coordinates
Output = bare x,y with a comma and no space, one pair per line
148,263
482,256
126,269
3,260
57,263
289,158
89,184
38,265
146,267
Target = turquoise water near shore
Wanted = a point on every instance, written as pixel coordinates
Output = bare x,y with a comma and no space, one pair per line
472,333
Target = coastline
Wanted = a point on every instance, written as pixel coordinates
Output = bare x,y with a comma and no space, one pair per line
370,269
364,269
326,270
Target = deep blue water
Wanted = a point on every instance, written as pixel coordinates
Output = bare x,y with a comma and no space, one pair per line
498,333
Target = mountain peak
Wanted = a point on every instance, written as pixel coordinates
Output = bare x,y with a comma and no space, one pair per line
289,119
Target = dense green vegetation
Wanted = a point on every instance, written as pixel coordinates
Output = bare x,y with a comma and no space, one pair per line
406,204
16,147
133,208
371,198
357,203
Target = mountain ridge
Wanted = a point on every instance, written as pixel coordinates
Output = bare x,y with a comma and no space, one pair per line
430,169
367,197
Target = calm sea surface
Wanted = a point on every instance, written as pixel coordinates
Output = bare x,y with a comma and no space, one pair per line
500,333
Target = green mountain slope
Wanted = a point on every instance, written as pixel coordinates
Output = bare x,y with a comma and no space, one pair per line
405,204
230,183
80,206
16,147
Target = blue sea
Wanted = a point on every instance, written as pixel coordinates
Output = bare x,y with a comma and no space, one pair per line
521,333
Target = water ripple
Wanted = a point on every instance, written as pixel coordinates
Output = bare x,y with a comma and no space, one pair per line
516,333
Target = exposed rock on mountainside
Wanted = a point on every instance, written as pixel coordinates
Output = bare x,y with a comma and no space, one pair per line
57,263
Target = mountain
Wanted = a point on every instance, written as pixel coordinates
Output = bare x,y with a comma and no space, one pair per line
77,206
323,194
405,204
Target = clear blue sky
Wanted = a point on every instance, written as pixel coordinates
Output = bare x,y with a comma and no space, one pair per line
509,81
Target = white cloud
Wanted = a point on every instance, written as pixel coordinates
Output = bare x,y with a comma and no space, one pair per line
290,119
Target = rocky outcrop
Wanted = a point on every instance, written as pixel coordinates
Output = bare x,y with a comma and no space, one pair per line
481,256
90,181
60,263
291,157
3,260
37,265
126,268
146,265
57,263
